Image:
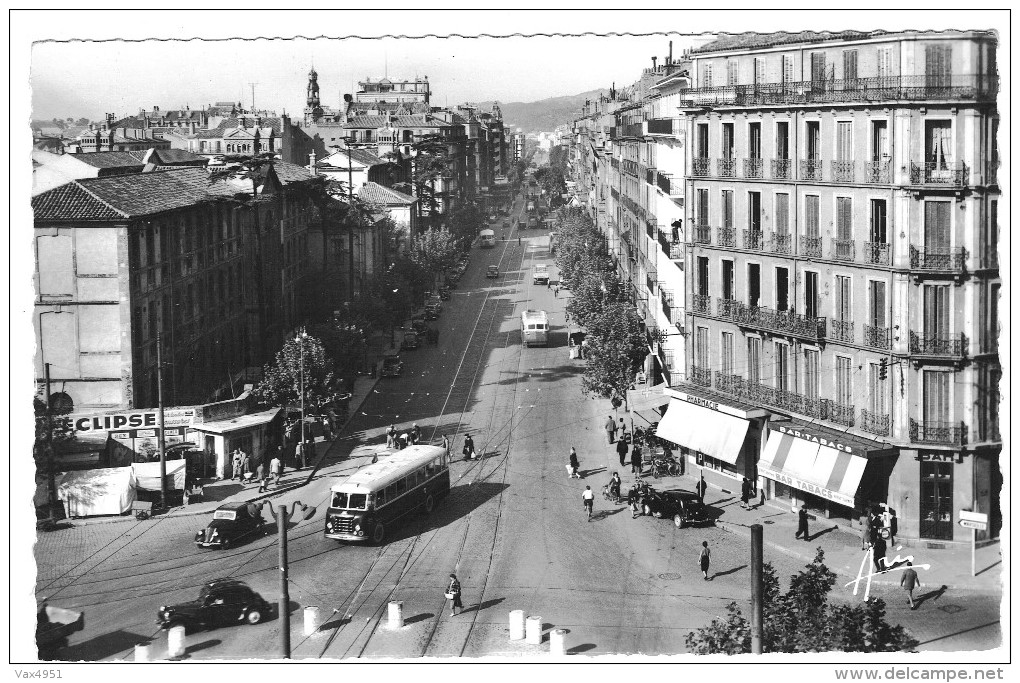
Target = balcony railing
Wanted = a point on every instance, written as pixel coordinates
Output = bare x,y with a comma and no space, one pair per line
878,337
780,243
990,257
702,234
728,383
783,322
840,414
726,168
726,308
676,251
843,250
782,169
756,392
841,331
876,172
842,171
877,253
936,173
811,169
700,167
810,246
935,432
629,167
650,176
876,423
875,89
938,260
753,240
727,237
702,376
753,168
941,345
701,303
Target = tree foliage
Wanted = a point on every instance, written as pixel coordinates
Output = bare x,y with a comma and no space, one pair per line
551,180
802,620
615,349
282,379
467,220
434,251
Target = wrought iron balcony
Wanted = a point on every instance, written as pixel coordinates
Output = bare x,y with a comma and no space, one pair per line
840,414
811,169
676,251
937,432
935,173
726,168
877,253
940,345
753,240
810,246
780,243
616,193
729,383
727,237
782,169
842,171
753,168
701,303
842,331
938,260
702,234
878,337
650,175
664,242
877,172
674,187
843,250
781,322
702,376
629,167
700,167
876,423
726,308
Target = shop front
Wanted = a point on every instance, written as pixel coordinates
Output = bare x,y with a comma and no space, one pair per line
833,473
257,434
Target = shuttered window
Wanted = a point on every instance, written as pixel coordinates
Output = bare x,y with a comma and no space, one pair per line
936,311
706,76
701,348
936,396
726,360
843,284
876,303
844,141
850,65
759,70
938,67
844,381
811,379
876,390
782,366
936,226
732,73
782,214
817,66
844,218
727,204
788,75
754,360
811,215
885,63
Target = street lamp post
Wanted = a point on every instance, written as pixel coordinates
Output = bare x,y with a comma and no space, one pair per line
300,339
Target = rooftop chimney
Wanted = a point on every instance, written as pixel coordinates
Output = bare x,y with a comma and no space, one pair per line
654,59
670,58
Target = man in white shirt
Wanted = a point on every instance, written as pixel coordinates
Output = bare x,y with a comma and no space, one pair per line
588,499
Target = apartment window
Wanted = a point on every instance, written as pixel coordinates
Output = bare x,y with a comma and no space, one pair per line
782,366
876,303
938,68
783,140
754,140
788,75
811,294
936,226
702,204
878,221
842,298
877,389
759,70
844,141
844,219
879,140
727,141
850,65
701,348
706,76
782,214
702,140
727,206
812,381
727,279
844,381
992,318
991,232
817,66
754,360
753,284
703,275
814,140
938,144
812,215
935,396
782,289
885,64
936,311
732,74
754,211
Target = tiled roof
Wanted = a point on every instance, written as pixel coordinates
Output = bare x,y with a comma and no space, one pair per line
379,194
109,159
405,121
745,41
170,157
291,173
361,156
72,202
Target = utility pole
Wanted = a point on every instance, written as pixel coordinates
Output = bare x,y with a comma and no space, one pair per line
51,482
350,226
161,436
756,588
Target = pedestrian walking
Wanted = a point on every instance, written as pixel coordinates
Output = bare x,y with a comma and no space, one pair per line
518,240
548,283
588,500
909,582
469,448
702,487
415,434
556,291
879,549
634,500
245,466
276,469
635,460
260,476
235,472
453,593
446,445
705,558
761,500
865,530
745,493
621,450
391,437
622,429
802,523
610,430
573,465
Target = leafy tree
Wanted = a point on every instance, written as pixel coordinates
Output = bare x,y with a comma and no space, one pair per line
83,121
51,431
467,221
430,161
615,349
434,252
550,179
345,337
802,620
282,379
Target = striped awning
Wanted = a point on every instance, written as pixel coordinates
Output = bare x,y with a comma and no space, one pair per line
817,469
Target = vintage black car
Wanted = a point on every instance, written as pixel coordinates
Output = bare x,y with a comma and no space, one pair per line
683,507
392,366
444,293
492,271
230,523
220,602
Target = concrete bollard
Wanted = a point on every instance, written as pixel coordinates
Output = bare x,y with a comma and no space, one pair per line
517,624
558,642
533,631
175,642
311,620
396,614
142,652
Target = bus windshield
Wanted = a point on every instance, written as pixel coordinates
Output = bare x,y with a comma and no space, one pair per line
352,501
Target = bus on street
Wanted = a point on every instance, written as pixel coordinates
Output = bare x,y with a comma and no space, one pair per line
534,328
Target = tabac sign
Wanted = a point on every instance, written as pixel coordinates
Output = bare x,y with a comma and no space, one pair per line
820,440
140,419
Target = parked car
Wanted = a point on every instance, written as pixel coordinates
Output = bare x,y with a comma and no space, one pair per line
683,507
220,602
506,223
230,523
410,341
432,311
492,271
444,293
392,366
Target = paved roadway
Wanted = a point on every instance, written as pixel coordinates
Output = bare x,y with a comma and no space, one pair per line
512,529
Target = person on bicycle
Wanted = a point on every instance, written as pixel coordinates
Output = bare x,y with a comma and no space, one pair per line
588,499
614,486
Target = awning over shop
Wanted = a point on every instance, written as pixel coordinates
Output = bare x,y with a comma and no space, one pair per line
237,423
715,434
822,468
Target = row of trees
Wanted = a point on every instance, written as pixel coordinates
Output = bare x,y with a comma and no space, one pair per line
601,305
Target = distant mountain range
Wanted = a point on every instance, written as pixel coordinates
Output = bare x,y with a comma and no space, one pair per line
543,115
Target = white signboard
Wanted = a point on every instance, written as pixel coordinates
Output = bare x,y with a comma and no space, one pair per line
971,524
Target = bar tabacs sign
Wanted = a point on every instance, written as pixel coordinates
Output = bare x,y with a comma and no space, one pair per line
143,419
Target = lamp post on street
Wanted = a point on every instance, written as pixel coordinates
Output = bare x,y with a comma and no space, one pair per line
300,339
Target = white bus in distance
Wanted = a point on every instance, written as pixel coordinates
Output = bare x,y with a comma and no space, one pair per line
534,328
377,496
488,238
540,276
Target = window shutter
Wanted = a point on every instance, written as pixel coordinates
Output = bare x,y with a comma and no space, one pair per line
782,214
844,218
811,208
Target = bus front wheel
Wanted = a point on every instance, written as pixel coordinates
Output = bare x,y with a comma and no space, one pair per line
378,533
430,504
